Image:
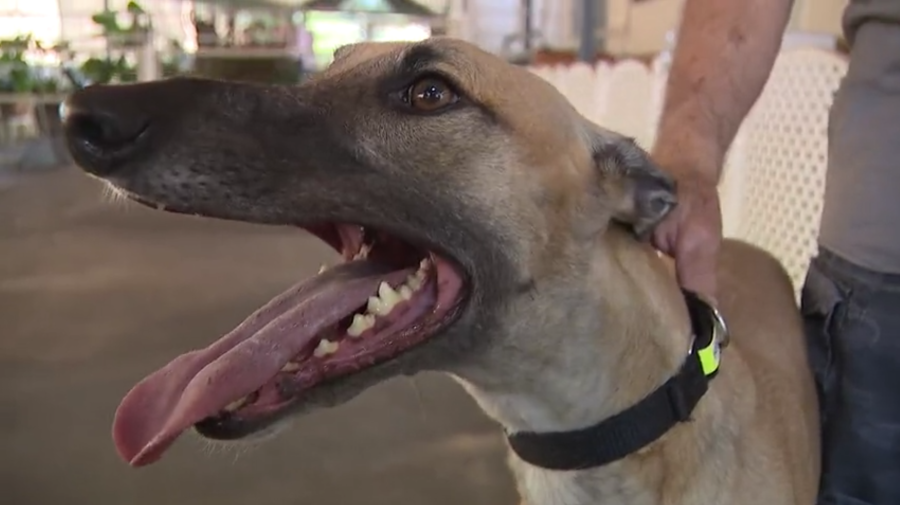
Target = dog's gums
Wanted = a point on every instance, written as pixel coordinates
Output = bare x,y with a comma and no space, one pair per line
386,297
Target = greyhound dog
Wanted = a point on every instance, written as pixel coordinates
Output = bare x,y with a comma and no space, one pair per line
490,232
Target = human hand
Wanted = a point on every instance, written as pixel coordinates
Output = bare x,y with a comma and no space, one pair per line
692,233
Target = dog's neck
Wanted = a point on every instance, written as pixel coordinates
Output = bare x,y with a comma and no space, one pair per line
592,360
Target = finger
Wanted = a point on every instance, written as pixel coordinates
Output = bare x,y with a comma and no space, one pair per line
696,266
664,237
699,278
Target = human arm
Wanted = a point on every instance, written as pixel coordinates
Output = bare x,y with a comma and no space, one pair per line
723,56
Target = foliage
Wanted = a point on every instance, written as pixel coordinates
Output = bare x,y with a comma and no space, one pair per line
17,75
108,69
130,35
104,70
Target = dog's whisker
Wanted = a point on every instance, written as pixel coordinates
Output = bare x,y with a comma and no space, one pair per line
115,197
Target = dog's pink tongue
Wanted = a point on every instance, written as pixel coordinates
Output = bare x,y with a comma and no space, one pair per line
201,383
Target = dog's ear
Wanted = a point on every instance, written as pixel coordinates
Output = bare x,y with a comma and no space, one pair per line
345,50
636,190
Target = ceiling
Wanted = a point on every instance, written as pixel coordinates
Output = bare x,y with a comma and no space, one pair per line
408,7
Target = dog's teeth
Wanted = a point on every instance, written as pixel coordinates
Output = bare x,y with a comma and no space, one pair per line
160,206
384,302
290,367
325,348
240,402
363,252
416,280
387,298
376,306
387,294
361,323
323,268
421,273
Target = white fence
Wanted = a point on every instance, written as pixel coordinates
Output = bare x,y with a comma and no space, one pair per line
774,178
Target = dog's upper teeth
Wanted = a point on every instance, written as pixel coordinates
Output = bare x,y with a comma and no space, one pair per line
160,206
361,323
363,252
323,268
325,348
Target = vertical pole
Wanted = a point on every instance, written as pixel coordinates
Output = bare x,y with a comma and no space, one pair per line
601,24
587,47
528,29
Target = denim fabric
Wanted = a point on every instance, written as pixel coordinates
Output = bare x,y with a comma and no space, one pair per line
852,318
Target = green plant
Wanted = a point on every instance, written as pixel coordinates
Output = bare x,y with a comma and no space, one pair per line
15,73
108,69
108,21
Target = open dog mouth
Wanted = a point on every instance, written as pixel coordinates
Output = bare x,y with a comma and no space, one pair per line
385,298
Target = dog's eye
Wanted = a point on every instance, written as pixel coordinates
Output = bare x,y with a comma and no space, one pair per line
430,94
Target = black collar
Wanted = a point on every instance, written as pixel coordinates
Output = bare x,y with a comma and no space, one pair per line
636,427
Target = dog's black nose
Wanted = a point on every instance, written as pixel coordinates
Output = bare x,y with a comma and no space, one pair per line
105,127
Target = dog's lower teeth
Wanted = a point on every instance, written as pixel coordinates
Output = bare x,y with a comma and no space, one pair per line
231,407
290,367
387,297
361,323
323,268
325,348
379,305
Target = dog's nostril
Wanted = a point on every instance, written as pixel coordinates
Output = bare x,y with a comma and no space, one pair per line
102,139
103,132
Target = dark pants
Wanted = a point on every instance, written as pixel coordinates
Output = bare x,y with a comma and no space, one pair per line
852,320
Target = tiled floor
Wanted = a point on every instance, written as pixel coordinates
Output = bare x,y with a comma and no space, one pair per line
93,296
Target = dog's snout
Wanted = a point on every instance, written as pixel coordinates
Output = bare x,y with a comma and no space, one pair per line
103,129
108,126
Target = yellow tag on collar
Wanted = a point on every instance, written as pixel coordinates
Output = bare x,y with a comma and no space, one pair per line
710,357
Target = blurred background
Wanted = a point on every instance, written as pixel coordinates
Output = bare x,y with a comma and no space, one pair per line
95,295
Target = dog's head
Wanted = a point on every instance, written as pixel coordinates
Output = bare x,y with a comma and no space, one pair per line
464,193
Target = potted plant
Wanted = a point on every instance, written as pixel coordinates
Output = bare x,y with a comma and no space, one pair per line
135,34
15,76
108,70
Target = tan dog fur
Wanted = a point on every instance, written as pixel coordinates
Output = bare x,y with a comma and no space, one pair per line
535,192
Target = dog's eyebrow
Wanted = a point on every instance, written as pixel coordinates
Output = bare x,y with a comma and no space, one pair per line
420,57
